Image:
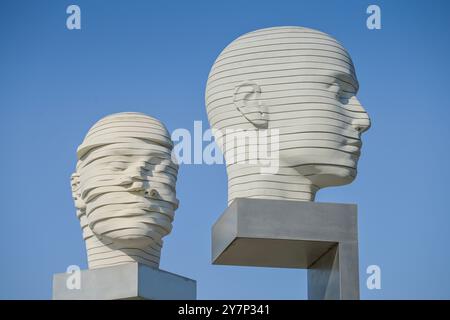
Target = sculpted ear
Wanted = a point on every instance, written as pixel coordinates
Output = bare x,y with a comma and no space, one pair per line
247,100
76,194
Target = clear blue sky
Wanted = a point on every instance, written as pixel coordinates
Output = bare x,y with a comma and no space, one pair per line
154,57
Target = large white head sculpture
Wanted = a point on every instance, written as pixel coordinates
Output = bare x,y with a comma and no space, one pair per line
302,83
124,189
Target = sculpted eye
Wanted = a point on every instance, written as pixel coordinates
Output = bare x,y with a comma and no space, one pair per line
344,98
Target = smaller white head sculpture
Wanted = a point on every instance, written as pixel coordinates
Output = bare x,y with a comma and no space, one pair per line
300,85
124,189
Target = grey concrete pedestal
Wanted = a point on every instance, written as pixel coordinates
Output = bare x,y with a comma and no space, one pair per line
126,281
320,237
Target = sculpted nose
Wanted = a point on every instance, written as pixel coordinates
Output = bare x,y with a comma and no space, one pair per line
362,122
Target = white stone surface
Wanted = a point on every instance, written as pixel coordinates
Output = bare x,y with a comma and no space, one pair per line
124,189
302,82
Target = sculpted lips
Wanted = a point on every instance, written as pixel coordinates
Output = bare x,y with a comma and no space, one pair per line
354,142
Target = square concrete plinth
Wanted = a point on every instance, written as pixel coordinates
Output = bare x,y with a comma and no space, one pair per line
126,281
320,237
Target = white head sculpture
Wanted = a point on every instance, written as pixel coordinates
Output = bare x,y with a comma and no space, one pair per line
124,189
301,82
